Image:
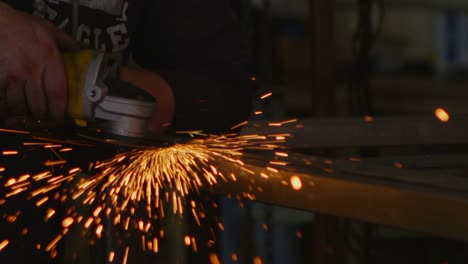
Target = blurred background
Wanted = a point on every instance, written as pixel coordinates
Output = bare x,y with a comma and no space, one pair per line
349,57
354,58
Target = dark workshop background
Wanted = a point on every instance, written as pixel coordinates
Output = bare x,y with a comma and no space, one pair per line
347,58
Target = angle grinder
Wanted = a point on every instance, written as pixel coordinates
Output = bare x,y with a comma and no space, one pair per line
99,100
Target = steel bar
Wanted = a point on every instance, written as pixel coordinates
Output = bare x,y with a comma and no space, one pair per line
344,191
440,161
367,131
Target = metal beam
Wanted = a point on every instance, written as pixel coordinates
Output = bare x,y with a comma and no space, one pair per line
343,191
371,131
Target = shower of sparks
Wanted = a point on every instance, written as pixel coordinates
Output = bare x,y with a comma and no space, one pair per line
136,190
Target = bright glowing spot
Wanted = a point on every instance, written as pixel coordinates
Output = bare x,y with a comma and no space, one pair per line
266,95
2,169
275,124
49,214
67,222
10,182
258,112
257,260
299,234
442,115
282,154
4,244
111,256
214,259
99,230
368,118
124,261
398,165
187,240
296,183
234,256
65,150
54,162
9,152
74,170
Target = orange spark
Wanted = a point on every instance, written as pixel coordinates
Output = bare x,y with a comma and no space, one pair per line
299,234
272,169
368,118
442,114
214,259
266,95
155,245
111,256
67,222
296,183
9,152
398,165
289,121
275,124
49,214
65,149
74,170
53,146
234,257
258,112
99,230
14,131
282,154
4,244
42,201
257,260
126,255
54,162
187,240
239,125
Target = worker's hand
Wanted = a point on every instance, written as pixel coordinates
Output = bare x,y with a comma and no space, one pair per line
155,85
32,78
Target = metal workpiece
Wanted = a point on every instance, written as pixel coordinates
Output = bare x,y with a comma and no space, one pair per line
398,198
367,131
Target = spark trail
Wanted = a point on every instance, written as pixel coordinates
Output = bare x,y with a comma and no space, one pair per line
135,190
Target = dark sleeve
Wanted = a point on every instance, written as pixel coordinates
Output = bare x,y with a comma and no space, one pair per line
25,6
200,48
